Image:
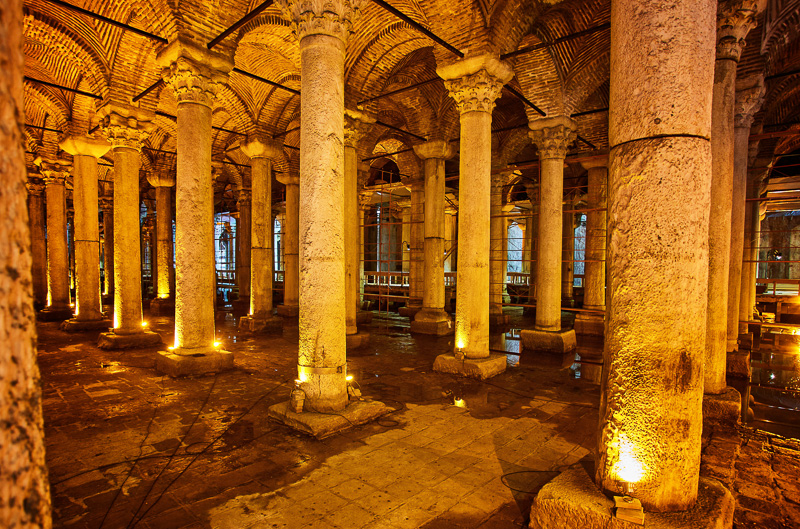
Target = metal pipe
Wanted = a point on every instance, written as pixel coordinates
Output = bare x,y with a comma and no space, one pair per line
525,100
399,90
419,27
244,20
109,21
272,83
398,129
148,90
559,40
68,89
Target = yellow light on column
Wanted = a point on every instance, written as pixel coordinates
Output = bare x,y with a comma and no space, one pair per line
628,467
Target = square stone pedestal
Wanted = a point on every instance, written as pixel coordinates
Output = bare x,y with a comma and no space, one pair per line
725,407
557,342
162,306
409,311
75,325
322,425
198,364
480,368
572,501
288,311
354,341
589,323
110,340
746,341
49,314
738,364
363,317
261,325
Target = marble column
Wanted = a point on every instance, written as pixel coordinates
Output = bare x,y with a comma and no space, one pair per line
474,83
54,173
85,151
107,205
322,364
355,125
244,201
498,252
568,256
532,241
734,20
364,205
38,244
552,136
196,75
433,319
262,153
164,273
415,214
291,249
126,128
652,392
524,227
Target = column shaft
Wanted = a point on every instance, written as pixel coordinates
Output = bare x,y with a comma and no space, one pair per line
88,304
416,265
568,257
291,247
548,256
434,230
594,279
351,238
244,229
108,249
38,246
57,258
261,257
164,269
496,256
737,234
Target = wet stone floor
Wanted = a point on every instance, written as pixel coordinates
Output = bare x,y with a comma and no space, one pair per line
128,448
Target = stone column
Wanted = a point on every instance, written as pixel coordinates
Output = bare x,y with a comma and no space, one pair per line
262,153
355,125
126,128
416,242
85,151
38,244
474,83
734,20
58,307
525,228
243,233
164,301
322,33
24,484
748,100
364,205
568,257
651,402
533,242
291,249
433,319
498,252
107,205
552,136
755,180
195,75
406,247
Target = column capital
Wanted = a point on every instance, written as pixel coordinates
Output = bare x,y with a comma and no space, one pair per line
195,73
217,170
413,182
107,203
475,82
244,196
83,145
364,200
596,161
54,170
34,188
438,149
125,126
259,146
748,102
735,18
356,124
312,17
288,179
553,136
161,179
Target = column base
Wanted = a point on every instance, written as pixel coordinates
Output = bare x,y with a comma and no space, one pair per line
322,425
572,500
480,368
110,340
363,317
409,311
162,306
738,364
241,306
49,314
432,321
288,311
590,324
253,324
746,341
359,339
75,325
203,362
723,408
558,342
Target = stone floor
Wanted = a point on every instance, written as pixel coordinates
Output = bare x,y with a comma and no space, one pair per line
129,448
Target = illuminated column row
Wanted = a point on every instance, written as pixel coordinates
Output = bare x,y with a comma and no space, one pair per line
54,173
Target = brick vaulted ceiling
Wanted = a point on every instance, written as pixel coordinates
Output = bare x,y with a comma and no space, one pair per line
383,54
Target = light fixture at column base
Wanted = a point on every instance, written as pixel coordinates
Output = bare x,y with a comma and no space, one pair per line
50,314
110,340
322,425
557,342
162,307
253,324
75,325
725,407
480,368
205,362
589,324
572,500
288,311
359,339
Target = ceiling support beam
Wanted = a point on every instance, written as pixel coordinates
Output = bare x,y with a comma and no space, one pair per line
107,20
565,38
399,90
148,90
68,89
244,20
419,27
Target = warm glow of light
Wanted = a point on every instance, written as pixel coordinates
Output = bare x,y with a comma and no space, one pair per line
116,321
460,343
171,348
301,375
144,324
628,468
460,403
217,344
348,378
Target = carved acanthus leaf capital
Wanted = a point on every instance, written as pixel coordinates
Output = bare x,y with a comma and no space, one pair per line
34,188
735,19
106,203
748,103
356,125
161,179
553,136
54,171
321,17
475,82
364,200
124,125
244,196
260,146
195,73
438,149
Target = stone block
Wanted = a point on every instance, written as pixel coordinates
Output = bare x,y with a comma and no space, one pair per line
738,364
75,325
589,324
480,368
363,317
54,314
110,340
162,307
558,342
437,328
725,407
409,311
498,320
322,425
255,325
746,341
572,501
198,364
354,341
288,311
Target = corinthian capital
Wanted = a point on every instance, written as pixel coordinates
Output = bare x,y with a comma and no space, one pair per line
356,124
195,73
34,189
475,82
748,102
735,18
321,17
124,125
53,170
553,136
